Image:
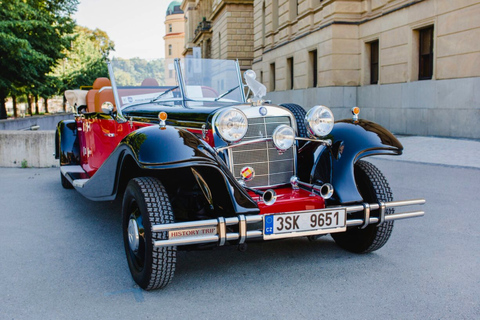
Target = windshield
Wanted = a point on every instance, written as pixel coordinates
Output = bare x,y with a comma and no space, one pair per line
209,79
140,81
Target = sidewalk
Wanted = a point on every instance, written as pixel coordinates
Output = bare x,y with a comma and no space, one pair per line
442,151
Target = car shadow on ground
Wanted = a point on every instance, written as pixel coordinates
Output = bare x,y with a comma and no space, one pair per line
261,264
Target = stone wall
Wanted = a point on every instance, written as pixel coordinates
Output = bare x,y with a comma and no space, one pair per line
27,149
448,108
341,32
45,122
232,33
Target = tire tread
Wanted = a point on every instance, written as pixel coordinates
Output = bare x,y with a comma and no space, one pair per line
159,212
373,237
299,114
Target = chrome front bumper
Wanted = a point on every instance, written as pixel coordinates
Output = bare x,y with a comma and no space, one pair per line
215,230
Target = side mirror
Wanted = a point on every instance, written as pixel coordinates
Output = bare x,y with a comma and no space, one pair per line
107,107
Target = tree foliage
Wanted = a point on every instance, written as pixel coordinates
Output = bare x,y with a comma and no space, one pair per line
134,71
85,60
33,37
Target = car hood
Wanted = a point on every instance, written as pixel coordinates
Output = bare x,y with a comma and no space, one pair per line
193,114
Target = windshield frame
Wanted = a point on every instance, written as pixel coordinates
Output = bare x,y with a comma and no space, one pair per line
182,87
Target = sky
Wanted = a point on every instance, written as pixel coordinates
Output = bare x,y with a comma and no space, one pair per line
136,26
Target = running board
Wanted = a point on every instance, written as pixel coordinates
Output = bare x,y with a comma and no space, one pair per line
75,175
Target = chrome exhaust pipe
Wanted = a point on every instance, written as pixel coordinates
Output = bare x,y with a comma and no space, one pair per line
326,191
269,197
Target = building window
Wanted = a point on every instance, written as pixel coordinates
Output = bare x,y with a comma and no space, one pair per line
290,74
313,70
170,28
272,76
374,58
169,49
208,49
263,23
425,67
219,46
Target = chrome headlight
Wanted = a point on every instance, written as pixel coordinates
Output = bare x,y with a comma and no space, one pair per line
231,124
319,121
283,137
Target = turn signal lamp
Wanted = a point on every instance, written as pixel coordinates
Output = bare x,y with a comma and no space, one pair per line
355,112
162,116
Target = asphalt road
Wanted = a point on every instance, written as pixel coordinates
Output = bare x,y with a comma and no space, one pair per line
61,257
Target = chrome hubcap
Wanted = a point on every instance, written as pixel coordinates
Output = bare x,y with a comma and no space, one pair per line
133,236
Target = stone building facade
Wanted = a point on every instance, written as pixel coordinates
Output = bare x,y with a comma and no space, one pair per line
223,29
411,65
174,31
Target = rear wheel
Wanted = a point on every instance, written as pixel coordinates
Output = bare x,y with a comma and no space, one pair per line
145,204
373,187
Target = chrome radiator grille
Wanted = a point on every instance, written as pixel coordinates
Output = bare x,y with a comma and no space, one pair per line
270,167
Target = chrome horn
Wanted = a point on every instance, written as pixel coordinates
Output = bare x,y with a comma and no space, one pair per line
269,197
326,191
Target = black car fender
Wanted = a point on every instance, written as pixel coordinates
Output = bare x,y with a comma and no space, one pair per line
67,146
352,141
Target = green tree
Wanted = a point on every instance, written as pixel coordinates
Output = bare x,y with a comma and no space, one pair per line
85,60
133,71
33,37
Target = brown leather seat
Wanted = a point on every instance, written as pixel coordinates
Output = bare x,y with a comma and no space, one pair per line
97,85
103,95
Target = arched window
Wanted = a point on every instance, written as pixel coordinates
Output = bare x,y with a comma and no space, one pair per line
169,49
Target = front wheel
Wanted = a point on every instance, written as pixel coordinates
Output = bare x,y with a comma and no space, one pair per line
145,204
373,187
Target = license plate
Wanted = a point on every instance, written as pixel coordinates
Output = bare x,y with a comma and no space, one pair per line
304,224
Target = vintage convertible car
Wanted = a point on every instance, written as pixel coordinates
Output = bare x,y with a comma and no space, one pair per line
199,165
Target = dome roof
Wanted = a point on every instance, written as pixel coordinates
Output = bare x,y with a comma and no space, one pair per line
174,8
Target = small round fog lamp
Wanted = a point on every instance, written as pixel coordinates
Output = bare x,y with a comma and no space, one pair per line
283,137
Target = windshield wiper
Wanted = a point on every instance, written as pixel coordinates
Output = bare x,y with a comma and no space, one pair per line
164,93
225,93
